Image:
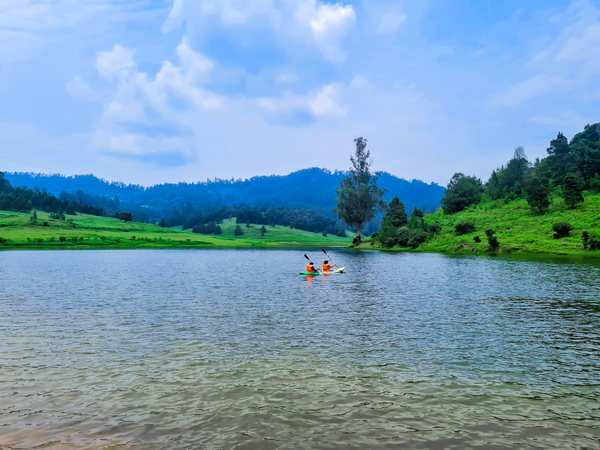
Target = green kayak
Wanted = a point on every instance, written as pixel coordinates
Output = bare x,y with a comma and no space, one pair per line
339,270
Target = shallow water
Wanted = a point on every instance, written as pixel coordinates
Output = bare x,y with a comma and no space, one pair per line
232,349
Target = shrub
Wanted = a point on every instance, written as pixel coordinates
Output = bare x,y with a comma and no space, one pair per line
562,229
62,239
324,233
477,239
45,224
39,240
492,240
238,231
3,240
434,227
356,241
417,237
464,227
594,243
51,239
199,229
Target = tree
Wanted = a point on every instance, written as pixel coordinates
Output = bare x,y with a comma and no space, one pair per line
462,191
125,216
572,190
394,218
358,196
538,191
263,230
238,231
558,153
417,213
162,223
395,214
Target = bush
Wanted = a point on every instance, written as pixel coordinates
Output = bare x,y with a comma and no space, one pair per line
45,224
3,240
238,231
464,227
435,227
51,239
477,239
324,233
594,243
562,229
585,237
417,237
356,241
62,239
492,240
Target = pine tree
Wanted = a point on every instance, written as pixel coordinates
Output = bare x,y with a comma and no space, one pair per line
359,197
572,190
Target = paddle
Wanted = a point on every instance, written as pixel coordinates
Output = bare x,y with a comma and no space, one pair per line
323,250
318,270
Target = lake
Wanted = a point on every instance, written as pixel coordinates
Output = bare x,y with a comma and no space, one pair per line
224,349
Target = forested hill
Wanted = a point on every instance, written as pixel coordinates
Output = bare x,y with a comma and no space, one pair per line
305,189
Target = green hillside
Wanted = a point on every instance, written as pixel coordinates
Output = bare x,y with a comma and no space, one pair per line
519,229
17,230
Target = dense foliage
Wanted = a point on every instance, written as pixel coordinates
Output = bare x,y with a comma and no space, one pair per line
462,191
190,217
359,198
24,200
309,189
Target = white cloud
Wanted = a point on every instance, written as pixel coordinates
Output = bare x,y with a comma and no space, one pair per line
324,25
322,103
329,24
115,64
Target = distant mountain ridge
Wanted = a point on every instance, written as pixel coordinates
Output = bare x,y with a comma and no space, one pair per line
312,188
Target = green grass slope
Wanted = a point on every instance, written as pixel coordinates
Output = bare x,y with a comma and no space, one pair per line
519,229
17,231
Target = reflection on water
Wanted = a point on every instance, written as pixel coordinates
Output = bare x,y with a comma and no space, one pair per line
199,349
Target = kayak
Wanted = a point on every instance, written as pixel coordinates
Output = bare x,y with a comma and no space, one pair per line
339,270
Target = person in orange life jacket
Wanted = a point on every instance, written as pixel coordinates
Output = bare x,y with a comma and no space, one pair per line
326,266
310,268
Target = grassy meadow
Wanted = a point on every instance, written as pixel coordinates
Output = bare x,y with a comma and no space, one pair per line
519,229
17,230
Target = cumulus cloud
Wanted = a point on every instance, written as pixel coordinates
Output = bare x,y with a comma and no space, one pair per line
321,24
329,24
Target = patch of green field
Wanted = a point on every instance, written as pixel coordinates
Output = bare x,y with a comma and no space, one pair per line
18,231
518,228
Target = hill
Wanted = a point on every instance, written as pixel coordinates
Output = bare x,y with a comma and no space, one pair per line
518,228
18,230
312,189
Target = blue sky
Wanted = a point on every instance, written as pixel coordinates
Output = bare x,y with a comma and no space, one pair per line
148,91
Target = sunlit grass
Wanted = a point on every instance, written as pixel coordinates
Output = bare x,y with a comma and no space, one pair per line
103,232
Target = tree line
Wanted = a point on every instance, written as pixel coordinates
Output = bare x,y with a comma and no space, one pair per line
206,221
569,168
24,200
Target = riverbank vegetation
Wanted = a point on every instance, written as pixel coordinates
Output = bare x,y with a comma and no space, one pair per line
41,230
549,206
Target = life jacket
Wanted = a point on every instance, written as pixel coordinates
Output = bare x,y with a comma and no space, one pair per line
310,268
326,267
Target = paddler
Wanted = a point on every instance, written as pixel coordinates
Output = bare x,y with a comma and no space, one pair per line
310,267
326,266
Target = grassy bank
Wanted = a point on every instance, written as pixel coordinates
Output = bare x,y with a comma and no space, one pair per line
519,229
18,231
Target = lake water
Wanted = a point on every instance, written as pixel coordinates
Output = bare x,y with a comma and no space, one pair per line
211,349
